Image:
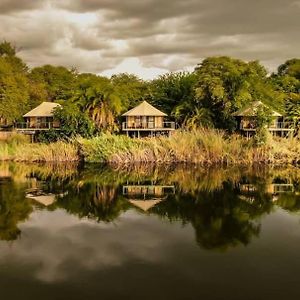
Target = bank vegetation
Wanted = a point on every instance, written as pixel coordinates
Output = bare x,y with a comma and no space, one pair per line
201,146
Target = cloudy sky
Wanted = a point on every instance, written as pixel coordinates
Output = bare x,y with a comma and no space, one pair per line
149,37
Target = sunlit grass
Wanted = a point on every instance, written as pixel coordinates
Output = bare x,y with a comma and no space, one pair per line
203,146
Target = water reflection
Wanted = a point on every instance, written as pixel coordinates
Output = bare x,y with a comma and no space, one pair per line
224,206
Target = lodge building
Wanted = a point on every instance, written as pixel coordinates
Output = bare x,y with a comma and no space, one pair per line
145,120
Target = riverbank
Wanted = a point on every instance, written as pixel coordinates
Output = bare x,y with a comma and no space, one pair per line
206,147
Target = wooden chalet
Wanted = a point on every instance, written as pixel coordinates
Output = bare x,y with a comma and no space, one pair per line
146,120
39,119
247,125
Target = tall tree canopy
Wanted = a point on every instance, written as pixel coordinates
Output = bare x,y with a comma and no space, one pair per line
130,89
291,68
224,85
59,82
17,93
171,90
98,96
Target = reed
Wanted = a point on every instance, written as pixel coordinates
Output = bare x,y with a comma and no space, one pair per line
203,146
24,151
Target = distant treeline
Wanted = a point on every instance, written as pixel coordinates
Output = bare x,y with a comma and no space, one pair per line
205,97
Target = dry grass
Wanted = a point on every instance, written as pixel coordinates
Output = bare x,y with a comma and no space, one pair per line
204,146
25,151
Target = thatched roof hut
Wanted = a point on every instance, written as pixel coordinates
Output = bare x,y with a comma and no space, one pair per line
251,110
45,109
144,109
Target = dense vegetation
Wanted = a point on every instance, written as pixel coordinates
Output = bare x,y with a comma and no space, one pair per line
206,97
200,146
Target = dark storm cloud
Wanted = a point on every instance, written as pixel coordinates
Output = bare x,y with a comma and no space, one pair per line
223,15
140,22
9,6
172,34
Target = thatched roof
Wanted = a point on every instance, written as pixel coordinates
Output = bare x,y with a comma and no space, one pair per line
145,204
45,109
145,109
251,110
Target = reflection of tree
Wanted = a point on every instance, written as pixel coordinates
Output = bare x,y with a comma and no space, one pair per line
224,206
13,209
94,201
220,218
289,202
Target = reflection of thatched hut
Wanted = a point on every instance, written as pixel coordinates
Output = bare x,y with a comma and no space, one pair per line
273,189
146,196
145,205
39,196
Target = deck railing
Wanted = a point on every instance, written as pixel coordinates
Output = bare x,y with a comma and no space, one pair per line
148,125
273,126
40,125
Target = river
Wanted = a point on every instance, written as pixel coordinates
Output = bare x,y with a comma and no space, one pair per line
95,232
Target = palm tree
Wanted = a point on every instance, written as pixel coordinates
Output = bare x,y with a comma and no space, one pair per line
98,96
193,117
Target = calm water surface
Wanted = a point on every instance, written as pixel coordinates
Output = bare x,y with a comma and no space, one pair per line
146,233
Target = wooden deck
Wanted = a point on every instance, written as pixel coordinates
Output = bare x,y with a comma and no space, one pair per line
149,126
28,128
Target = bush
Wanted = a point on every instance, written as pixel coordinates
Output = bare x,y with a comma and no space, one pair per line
73,123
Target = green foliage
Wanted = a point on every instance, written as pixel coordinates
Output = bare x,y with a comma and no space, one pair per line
130,89
14,86
225,85
59,82
98,97
292,107
7,49
263,116
18,93
291,68
73,123
262,120
171,91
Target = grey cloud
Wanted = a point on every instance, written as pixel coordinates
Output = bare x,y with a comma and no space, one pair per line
88,41
168,34
9,6
221,14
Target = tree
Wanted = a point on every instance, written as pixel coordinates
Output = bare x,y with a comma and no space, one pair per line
97,96
59,82
292,107
14,85
18,93
73,122
290,67
287,82
225,85
172,90
130,89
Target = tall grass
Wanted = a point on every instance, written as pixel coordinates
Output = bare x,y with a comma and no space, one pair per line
18,148
204,146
